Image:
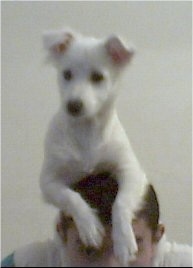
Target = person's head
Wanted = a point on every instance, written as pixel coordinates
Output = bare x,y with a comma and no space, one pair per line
148,231
100,192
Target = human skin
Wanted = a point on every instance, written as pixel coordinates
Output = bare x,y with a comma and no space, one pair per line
147,242
82,256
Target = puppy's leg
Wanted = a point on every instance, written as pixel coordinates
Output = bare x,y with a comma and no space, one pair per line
57,193
128,200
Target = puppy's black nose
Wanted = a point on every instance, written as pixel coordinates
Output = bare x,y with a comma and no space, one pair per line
75,107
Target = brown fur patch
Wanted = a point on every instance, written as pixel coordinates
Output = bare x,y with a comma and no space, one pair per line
63,46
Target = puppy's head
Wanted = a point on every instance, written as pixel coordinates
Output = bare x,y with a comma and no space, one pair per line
87,70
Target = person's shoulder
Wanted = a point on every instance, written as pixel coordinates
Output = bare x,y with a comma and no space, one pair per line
8,261
173,255
37,254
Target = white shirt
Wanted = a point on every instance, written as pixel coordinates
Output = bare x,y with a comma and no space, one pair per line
172,254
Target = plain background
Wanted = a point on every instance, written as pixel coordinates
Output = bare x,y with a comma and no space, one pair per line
154,105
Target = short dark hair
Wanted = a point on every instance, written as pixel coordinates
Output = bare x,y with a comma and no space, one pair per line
150,210
99,191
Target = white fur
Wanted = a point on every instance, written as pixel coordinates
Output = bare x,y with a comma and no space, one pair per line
92,142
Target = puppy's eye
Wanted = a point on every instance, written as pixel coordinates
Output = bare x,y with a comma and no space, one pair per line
96,77
68,75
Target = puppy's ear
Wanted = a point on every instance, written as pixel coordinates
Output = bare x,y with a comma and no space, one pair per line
119,53
57,42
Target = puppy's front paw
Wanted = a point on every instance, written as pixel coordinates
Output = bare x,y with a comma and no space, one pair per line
90,229
125,246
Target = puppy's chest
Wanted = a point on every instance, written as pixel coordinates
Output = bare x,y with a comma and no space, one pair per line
85,151
87,156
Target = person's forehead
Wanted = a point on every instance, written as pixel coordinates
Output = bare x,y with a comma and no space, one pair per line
73,229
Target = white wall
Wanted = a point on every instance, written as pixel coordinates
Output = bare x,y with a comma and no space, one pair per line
155,105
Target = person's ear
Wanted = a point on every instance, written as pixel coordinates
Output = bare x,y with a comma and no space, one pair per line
159,233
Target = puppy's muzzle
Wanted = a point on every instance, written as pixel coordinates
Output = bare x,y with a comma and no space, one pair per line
75,107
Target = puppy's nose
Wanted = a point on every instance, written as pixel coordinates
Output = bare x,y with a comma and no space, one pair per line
75,107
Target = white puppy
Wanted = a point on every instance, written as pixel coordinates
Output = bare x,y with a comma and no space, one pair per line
86,136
